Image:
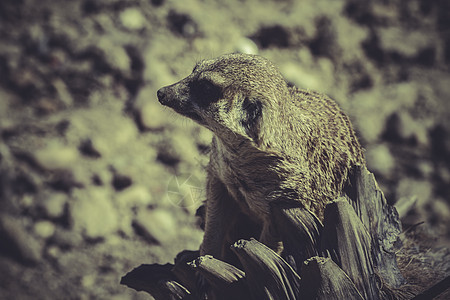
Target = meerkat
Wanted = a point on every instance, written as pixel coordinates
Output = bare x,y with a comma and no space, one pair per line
272,141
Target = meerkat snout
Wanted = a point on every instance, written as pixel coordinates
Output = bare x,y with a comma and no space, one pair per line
178,97
162,95
172,96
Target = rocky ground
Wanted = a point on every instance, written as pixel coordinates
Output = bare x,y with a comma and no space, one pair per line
96,177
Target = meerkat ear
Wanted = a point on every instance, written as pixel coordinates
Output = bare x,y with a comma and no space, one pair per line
252,109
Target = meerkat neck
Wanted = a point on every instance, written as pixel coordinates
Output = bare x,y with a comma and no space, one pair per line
233,143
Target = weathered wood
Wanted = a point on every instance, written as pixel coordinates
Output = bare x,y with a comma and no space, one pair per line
299,229
156,280
349,244
268,275
322,279
359,235
435,290
381,220
183,271
227,280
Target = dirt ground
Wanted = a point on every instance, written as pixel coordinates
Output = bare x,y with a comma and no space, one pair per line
96,177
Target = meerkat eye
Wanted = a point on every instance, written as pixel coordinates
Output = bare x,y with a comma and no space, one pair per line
252,113
205,92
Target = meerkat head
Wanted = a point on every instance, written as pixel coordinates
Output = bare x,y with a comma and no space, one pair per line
229,95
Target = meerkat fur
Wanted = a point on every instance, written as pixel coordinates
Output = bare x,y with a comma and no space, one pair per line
271,142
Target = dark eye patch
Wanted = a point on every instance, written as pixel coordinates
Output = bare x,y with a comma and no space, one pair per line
252,112
205,92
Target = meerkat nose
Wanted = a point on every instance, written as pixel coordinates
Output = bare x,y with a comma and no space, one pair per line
161,93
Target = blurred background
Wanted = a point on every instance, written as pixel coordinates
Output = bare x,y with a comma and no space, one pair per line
96,177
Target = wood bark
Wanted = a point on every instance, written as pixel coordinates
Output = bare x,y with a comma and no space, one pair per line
323,279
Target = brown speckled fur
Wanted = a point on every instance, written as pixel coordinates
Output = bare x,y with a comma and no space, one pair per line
271,142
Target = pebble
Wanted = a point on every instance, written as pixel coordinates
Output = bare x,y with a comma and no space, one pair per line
380,160
159,225
44,229
121,182
135,196
93,214
87,148
56,156
246,45
54,205
300,77
132,18
53,251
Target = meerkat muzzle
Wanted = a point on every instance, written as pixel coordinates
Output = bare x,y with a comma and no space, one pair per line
170,96
178,99
162,96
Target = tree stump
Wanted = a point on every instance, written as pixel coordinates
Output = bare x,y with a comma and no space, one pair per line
350,256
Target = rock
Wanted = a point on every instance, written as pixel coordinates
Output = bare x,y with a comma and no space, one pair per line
156,226
17,242
56,156
44,229
93,214
121,182
135,196
301,78
246,45
87,148
132,18
54,205
380,160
